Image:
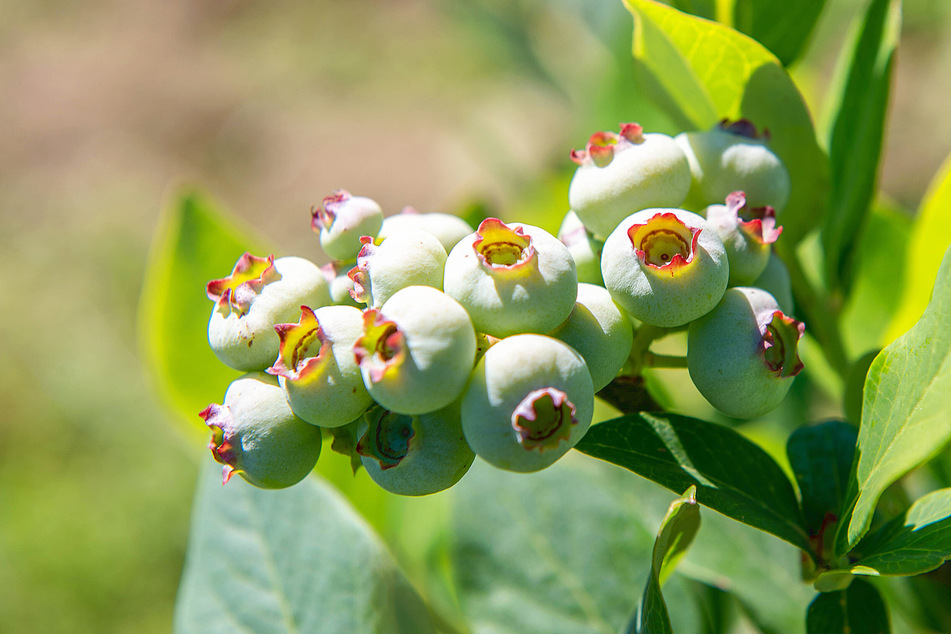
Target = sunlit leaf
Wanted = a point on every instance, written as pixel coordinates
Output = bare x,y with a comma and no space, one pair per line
905,417
858,608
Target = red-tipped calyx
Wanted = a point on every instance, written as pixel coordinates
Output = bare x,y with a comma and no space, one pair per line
543,419
664,242
218,418
381,349
743,127
758,223
322,217
501,248
359,274
303,347
602,145
237,291
387,438
781,344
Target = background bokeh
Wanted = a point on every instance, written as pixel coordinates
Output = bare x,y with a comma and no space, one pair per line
106,105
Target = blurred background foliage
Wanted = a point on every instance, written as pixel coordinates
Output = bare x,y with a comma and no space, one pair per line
439,104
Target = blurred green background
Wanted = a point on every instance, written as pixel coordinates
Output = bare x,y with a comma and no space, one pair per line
107,105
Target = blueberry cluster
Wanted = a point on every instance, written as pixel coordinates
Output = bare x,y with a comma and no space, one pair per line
425,343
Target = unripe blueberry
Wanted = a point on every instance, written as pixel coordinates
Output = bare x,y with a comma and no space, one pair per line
621,174
742,356
529,400
416,351
775,280
341,222
316,366
747,234
584,248
259,293
338,279
732,157
512,278
448,229
407,258
256,435
600,331
415,455
665,267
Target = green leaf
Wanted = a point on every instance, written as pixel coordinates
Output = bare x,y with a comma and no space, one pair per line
674,537
296,560
929,239
559,551
856,138
905,411
916,542
733,475
821,458
700,72
858,608
195,243
782,27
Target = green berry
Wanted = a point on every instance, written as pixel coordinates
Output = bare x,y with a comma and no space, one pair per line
342,220
747,234
584,248
407,258
448,229
775,280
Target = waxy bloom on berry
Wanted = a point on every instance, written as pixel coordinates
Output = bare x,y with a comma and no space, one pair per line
446,228
407,258
747,234
342,220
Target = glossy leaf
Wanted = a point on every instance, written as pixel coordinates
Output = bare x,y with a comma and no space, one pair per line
296,560
916,542
930,237
677,452
905,410
700,72
674,537
195,243
858,608
855,145
782,27
821,458
561,551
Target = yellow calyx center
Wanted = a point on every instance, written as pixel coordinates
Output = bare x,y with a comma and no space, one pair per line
664,240
501,247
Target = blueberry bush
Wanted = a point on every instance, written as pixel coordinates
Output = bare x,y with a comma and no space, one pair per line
477,424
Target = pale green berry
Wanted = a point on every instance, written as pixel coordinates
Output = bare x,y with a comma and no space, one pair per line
600,331
512,278
747,234
733,157
529,400
256,435
260,293
342,220
665,267
407,258
619,174
414,455
775,280
316,366
584,248
448,229
743,356
340,284
416,351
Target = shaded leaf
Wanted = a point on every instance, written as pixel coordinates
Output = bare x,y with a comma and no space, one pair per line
733,475
295,560
855,144
821,458
905,411
782,27
913,543
700,72
195,243
858,608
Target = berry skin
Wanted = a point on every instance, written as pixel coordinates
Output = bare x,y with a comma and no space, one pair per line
619,174
742,356
448,229
585,249
529,400
747,235
775,280
665,267
414,455
416,351
259,293
316,367
600,331
256,435
340,284
342,220
732,157
407,258
512,278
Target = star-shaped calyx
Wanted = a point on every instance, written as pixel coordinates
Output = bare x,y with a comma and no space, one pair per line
236,292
